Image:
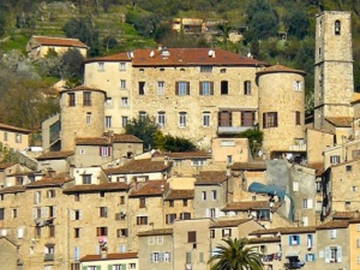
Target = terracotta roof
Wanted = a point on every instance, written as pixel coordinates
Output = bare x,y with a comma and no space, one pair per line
248,205
334,224
150,188
6,165
228,223
14,129
93,141
125,138
249,166
319,168
82,88
55,155
285,230
139,166
12,189
181,57
156,232
180,194
188,155
95,188
110,256
211,178
356,98
59,41
340,121
345,215
261,240
279,68
108,139
49,182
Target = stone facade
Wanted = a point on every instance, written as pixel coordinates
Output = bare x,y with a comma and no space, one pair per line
14,137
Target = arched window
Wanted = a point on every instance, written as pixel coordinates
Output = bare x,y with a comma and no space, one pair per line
337,27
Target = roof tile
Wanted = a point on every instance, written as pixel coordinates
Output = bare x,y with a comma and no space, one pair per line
150,188
110,256
139,166
100,187
211,178
59,41
180,194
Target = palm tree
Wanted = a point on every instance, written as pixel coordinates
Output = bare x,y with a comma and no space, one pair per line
236,256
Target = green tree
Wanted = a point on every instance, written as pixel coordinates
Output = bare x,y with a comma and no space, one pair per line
144,128
262,20
170,143
255,137
7,155
297,21
72,65
236,256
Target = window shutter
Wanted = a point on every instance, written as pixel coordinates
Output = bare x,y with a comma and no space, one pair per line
84,268
211,88
200,89
177,88
98,267
188,88
123,267
290,244
264,120
110,267
242,118
327,255
339,254
80,214
54,211
276,119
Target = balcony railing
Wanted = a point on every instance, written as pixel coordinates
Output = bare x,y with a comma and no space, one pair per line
232,130
48,257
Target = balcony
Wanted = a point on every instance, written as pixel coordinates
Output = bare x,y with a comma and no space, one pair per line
232,130
49,257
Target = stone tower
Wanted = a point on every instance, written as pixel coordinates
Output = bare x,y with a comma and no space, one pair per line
334,83
281,109
82,114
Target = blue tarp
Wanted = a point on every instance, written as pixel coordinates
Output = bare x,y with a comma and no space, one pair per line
268,189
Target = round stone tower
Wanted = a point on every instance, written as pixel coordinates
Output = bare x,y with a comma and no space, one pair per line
281,109
82,114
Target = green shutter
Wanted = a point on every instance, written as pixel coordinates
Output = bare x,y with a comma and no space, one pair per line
84,268
98,267
110,267
123,267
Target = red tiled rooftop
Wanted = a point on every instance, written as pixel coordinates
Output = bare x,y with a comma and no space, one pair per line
180,194
249,166
139,166
95,188
188,155
110,256
279,68
108,139
12,189
340,121
150,188
181,57
211,178
125,138
228,223
93,141
82,88
55,155
156,232
14,129
59,41
49,182
261,240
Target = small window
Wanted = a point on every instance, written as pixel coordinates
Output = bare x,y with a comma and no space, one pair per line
86,179
87,98
123,84
335,159
270,120
5,136
170,218
171,203
224,85
206,119
124,102
88,118
122,66
71,99
182,119
185,202
161,119
297,86
214,195
348,168
124,121
142,202
223,70
206,69
101,67
206,88
76,232
141,220
142,115
203,195
247,88
297,118
212,234
161,88
141,88
294,240
191,237
333,234
182,88
101,231
337,27
18,138
226,232
108,121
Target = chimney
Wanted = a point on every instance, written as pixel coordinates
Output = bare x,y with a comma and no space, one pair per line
160,47
211,53
152,53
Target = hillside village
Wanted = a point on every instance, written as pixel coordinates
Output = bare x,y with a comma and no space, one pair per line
94,196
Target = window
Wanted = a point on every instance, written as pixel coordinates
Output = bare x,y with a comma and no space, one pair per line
142,202
101,67
171,203
124,121
18,138
226,232
76,197
206,89
87,99
223,70
348,168
37,232
5,136
51,231
297,86
198,162
212,212
247,118
124,102
247,88
206,68
185,202
122,199
122,232
141,88
88,118
263,214
206,119
101,231
122,66
182,88
141,220
161,119
229,159
297,118
337,27
76,232
161,88
37,197
214,195
2,213
182,119
122,84
103,212
155,257
77,214
334,159
294,240
307,203
224,88
86,179
108,121
132,266
333,234
310,257
188,258
334,255
185,216
309,241
142,115
295,186
270,119
203,195
354,188
191,237
212,233
105,151
71,99
170,218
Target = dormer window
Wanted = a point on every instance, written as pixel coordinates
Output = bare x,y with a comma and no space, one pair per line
101,67
337,27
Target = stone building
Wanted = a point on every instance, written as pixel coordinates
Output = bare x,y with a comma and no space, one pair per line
39,46
14,137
